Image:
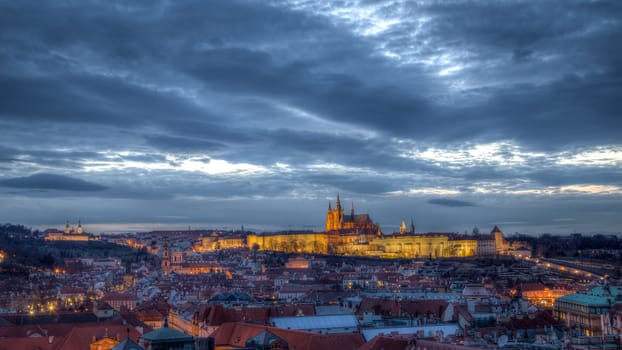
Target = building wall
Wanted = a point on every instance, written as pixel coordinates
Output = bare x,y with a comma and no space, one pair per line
315,242
583,316
486,247
406,246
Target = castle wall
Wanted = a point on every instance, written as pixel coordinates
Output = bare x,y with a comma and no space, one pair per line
409,246
314,242
393,246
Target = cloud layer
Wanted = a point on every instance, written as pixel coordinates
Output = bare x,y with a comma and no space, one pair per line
151,113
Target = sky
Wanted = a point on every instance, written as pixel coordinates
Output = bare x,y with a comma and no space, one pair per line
217,114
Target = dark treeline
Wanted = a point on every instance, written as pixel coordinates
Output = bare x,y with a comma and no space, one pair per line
598,246
24,250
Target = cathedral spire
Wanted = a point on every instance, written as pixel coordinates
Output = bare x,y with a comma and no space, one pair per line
412,225
352,211
329,207
338,204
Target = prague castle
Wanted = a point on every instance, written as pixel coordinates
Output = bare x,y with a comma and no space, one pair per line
358,235
351,235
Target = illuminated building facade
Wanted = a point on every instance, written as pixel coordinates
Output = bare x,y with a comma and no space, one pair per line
336,220
215,242
70,234
173,260
357,235
588,312
541,295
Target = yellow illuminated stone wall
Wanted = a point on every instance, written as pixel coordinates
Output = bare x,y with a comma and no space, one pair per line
390,246
316,242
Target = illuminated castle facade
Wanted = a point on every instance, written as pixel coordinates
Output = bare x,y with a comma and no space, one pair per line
358,235
70,234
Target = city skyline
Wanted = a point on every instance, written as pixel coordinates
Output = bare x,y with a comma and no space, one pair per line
229,113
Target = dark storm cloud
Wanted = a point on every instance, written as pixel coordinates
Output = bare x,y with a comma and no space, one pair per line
526,56
51,182
212,128
125,94
87,99
398,108
339,97
451,202
534,113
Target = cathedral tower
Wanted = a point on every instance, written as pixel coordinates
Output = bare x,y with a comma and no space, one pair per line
334,217
402,227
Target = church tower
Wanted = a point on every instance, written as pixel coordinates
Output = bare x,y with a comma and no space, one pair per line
67,228
334,217
80,230
166,259
329,218
501,245
402,227
412,226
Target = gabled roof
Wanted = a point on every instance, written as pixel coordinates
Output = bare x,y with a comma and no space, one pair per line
538,321
385,307
264,338
385,343
236,334
217,314
41,343
81,336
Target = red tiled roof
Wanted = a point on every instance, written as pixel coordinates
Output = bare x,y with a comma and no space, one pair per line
42,343
537,321
61,336
217,314
236,334
81,336
386,307
381,342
